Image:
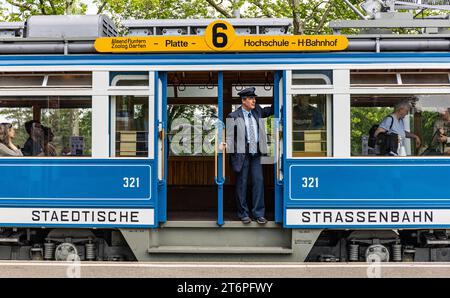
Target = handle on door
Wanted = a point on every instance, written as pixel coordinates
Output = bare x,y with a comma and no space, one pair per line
217,179
162,136
279,137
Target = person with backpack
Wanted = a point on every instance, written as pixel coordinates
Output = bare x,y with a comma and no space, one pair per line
391,131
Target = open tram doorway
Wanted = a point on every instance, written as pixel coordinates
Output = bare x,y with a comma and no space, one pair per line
192,98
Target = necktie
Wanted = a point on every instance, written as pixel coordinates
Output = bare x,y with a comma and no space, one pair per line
251,136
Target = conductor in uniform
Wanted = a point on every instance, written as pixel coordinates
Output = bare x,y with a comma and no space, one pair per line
246,141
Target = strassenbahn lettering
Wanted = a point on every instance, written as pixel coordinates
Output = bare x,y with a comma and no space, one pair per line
83,216
378,217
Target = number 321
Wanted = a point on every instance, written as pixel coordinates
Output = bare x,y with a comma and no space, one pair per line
131,182
310,182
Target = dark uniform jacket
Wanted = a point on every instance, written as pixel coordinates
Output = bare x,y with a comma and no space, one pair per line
236,134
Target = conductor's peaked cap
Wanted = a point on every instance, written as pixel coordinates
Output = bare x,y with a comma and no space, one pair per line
247,92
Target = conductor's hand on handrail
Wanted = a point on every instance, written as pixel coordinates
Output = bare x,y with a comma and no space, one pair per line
222,146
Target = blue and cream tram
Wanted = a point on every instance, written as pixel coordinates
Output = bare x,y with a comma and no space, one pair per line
136,172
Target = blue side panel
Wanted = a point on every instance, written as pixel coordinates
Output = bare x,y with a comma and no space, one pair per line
108,192
226,59
383,185
368,182
76,182
162,184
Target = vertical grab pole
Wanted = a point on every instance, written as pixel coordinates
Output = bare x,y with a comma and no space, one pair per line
220,128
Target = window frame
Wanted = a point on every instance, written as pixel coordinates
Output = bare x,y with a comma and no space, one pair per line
396,90
336,92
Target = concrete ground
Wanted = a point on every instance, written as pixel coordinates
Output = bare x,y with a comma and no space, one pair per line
221,270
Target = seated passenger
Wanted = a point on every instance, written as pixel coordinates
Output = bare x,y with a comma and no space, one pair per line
34,146
394,125
7,134
49,148
441,133
305,116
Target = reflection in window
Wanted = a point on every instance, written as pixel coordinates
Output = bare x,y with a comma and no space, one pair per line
399,77
52,79
191,129
71,129
429,119
309,125
131,126
49,126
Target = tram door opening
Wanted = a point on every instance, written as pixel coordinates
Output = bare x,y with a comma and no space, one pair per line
193,108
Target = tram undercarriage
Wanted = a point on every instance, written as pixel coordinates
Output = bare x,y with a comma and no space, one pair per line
179,241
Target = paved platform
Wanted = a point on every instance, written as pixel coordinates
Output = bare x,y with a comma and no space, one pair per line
222,270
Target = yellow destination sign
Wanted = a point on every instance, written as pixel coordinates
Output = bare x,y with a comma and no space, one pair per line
220,37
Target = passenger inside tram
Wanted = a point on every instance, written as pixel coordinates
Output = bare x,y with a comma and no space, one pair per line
428,119
7,147
34,146
46,127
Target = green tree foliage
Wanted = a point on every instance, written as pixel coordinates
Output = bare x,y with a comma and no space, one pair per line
66,123
207,114
428,120
362,119
25,8
310,17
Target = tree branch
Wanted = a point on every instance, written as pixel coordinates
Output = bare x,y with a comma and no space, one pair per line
101,7
324,17
52,5
219,8
42,6
298,24
264,11
20,5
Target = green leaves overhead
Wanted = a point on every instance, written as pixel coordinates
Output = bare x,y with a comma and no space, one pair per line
309,16
22,9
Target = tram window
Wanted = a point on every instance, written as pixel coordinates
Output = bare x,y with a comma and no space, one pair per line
21,80
399,77
262,91
65,124
192,129
192,91
373,79
429,119
57,79
310,125
425,78
312,77
129,79
131,126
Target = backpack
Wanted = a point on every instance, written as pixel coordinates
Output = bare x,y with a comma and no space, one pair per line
372,142
387,142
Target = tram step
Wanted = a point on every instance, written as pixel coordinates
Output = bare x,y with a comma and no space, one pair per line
438,242
219,250
10,238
